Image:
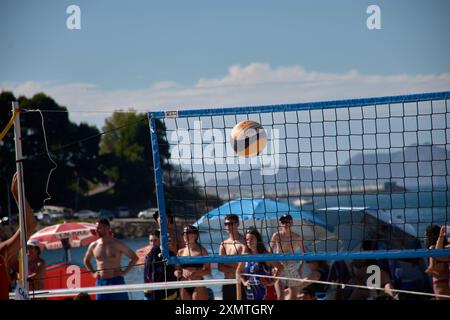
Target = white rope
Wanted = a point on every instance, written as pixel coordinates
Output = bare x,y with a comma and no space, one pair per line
129,288
49,197
343,285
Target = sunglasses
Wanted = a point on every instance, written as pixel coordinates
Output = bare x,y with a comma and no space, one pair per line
285,221
229,223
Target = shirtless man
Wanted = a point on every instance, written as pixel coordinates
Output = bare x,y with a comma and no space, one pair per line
286,241
235,244
108,254
10,248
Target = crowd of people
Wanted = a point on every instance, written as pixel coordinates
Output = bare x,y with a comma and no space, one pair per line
259,280
288,280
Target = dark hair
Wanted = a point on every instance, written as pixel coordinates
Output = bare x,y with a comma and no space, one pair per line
156,233
104,221
432,234
38,249
232,217
260,247
168,215
285,217
191,229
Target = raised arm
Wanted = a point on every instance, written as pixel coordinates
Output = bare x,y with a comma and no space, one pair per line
13,243
441,238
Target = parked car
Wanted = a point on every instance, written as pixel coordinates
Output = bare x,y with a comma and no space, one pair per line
46,218
147,214
105,214
43,217
122,212
57,213
56,209
86,214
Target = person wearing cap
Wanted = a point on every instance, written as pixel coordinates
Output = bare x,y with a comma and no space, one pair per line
192,271
10,247
287,241
36,266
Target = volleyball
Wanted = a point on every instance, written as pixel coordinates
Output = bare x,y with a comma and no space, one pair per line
248,138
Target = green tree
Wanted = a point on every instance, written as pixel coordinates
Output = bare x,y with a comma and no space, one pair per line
78,163
126,149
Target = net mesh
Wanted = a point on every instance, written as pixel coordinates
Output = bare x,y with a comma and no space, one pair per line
367,174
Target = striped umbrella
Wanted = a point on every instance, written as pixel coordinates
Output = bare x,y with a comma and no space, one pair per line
142,253
77,234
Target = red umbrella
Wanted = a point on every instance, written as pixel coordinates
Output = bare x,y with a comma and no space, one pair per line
77,234
142,253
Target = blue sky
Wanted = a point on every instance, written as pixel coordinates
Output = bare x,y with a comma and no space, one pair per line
126,47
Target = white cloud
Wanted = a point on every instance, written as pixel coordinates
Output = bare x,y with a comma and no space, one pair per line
254,84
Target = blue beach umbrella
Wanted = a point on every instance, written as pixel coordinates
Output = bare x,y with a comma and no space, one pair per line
260,209
263,214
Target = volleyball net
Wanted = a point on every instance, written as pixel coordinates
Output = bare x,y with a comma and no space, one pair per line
361,178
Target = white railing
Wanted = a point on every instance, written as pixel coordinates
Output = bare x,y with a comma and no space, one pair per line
127,288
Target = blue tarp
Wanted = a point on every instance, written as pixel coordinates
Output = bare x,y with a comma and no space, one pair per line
260,209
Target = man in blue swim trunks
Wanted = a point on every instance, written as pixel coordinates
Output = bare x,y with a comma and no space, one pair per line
108,252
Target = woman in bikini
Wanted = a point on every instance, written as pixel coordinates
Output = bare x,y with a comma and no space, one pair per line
439,268
258,288
192,271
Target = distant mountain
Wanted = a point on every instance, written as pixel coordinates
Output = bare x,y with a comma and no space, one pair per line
400,166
